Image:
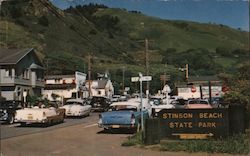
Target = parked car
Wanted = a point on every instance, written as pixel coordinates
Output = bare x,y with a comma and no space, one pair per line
126,114
8,110
179,103
123,98
100,103
115,98
77,107
216,102
41,114
197,104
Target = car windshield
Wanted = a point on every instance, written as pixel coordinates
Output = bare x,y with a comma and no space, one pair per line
155,101
124,107
73,103
197,102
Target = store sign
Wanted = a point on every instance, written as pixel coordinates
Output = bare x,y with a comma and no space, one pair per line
213,122
80,79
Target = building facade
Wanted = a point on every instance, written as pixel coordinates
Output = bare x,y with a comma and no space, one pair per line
21,74
61,87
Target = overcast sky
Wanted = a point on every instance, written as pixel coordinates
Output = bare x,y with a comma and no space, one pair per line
234,13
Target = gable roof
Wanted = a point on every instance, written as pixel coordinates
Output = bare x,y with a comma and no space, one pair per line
13,56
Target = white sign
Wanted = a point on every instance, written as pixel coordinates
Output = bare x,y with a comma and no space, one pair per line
146,78
134,79
80,79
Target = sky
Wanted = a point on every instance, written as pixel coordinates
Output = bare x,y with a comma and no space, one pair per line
234,13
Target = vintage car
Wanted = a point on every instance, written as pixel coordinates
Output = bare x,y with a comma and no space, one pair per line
42,115
77,107
198,104
115,98
100,103
126,114
157,104
8,110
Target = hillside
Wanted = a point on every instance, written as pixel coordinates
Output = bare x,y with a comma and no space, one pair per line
115,38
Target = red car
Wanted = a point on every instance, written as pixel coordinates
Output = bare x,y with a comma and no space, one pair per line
198,104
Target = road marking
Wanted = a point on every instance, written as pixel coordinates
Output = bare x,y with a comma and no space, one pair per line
14,125
90,125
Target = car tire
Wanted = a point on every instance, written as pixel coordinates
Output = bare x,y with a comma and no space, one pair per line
23,124
10,119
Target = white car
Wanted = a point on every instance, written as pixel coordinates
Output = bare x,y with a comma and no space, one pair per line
40,115
77,107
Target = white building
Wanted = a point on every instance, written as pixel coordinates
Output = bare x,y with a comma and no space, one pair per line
60,87
102,87
199,87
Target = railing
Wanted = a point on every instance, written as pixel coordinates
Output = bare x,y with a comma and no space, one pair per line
20,81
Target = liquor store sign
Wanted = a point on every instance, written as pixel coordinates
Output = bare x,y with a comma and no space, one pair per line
194,121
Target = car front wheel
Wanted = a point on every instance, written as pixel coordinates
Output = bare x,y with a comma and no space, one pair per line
10,118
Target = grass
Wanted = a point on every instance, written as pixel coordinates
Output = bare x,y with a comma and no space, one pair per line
237,144
133,140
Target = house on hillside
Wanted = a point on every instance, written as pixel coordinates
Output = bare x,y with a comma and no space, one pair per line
198,87
62,87
21,74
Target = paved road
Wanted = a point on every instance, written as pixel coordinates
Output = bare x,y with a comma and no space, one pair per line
83,138
8,131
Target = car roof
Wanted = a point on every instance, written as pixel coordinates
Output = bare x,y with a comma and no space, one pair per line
76,100
132,102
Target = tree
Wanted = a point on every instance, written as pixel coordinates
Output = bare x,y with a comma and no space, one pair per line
240,87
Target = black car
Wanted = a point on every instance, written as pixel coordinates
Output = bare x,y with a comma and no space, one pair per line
100,103
8,109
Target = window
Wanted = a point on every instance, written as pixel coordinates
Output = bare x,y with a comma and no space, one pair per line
99,92
8,72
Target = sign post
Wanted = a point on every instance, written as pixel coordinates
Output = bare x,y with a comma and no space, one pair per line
141,78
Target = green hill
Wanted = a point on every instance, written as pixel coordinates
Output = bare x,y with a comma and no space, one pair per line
115,38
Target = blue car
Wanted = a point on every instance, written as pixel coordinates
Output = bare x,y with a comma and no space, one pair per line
124,115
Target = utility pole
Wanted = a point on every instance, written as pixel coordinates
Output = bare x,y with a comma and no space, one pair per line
89,72
123,75
147,61
187,72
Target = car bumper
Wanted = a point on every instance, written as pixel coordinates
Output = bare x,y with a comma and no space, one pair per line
74,114
117,126
31,121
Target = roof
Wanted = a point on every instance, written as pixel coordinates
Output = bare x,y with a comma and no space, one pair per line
12,56
35,66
